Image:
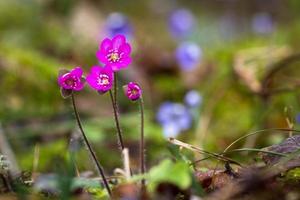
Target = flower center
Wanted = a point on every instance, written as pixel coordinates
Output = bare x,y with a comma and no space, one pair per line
134,92
103,80
71,82
113,55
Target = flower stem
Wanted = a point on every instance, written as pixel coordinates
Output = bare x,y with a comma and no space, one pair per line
114,104
142,141
98,165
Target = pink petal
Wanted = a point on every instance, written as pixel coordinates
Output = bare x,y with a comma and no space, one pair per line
79,86
116,66
95,69
125,61
77,71
118,40
106,44
125,48
101,57
92,81
60,81
109,71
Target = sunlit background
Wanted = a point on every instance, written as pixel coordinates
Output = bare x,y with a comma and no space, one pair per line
211,71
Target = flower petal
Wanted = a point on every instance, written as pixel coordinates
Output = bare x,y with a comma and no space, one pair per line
92,81
101,57
118,40
77,71
106,44
125,48
79,86
170,130
95,69
125,61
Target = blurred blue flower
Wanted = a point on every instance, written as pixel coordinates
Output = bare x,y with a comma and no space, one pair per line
298,118
117,23
174,118
188,55
193,99
181,23
262,23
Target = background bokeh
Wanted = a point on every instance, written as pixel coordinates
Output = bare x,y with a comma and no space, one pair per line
240,59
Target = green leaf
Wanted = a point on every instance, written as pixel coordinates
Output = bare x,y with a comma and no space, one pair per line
177,173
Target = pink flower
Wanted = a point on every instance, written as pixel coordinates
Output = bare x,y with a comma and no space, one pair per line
115,53
71,80
100,78
133,91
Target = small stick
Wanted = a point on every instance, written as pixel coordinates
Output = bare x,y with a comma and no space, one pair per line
126,163
193,148
36,159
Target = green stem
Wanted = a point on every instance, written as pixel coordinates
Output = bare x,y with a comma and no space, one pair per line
98,165
142,141
114,104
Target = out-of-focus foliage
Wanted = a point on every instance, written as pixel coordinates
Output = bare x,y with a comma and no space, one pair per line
38,37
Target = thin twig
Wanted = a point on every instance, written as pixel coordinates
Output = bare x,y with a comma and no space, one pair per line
98,165
242,150
126,161
199,150
36,159
255,150
256,132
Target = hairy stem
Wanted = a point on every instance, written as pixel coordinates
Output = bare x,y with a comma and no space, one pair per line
142,141
114,104
98,165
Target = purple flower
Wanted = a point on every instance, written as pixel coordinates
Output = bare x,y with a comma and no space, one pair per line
71,80
298,118
115,53
193,99
181,22
133,91
174,118
188,55
100,78
262,23
117,23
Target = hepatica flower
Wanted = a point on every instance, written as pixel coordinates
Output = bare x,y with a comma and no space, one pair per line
100,78
117,23
298,118
181,23
188,55
133,91
193,99
262,23
174,118
71,81
115,52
